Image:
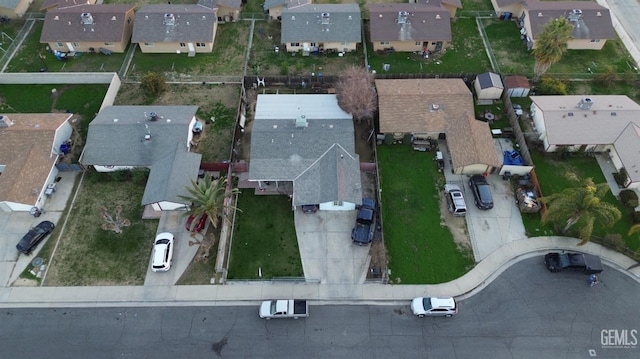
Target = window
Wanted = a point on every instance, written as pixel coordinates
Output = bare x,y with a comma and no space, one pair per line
182,44
200,44
595,40
344,44
108,44
129,21
295,44
76,44
337,203
433,43
418,43
148,44
313,44
59,44
384,43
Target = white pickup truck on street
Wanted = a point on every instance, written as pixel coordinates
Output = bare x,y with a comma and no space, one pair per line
285,308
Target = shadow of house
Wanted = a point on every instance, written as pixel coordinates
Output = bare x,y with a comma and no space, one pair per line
306,143
154,137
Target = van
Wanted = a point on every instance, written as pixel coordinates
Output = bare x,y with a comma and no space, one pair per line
455,200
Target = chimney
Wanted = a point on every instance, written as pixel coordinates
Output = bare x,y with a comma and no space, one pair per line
585,103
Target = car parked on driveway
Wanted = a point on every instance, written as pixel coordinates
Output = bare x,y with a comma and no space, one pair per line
455,200
162,253
481,192
310,208
35,235
434,306
199,226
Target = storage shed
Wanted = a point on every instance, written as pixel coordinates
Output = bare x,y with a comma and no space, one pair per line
488,86
517,86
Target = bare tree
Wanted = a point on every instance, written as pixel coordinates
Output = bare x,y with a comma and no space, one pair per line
111,223
356,94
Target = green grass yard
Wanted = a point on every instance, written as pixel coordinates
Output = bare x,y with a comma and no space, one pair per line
421,250
264,237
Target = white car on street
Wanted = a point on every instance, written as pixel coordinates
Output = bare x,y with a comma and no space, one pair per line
162,252
434,306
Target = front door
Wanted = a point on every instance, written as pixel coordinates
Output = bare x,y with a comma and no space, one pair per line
70,47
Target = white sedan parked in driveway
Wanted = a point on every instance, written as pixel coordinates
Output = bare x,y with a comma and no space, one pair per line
434,306
162,252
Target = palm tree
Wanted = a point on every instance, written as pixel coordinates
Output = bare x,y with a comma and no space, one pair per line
550,45
208,196
583,204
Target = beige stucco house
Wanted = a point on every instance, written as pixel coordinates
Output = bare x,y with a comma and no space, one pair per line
14,9
88,28
174,29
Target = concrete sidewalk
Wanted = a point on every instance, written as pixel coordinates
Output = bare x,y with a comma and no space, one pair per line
249,293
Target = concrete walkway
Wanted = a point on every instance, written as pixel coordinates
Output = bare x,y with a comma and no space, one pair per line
249,293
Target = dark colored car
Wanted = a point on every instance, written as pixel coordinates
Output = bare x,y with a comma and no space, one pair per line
310,208
581,262
481,192
35,236
199,226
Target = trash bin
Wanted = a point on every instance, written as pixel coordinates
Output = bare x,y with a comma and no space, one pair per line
506,175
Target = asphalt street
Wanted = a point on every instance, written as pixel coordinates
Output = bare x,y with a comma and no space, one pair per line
526,313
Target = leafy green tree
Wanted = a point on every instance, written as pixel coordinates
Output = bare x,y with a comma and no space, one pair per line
551,86
153,83
550,45
581,205
208,196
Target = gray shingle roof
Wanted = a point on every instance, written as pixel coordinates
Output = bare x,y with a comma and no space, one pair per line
65,24
594,21
170,174
268,4
307,24
116,135
489,80
423,22
191,23
320,159
234,4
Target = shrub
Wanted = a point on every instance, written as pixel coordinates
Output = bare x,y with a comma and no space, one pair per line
153,84
140,175
121,176
621,177
607,79
551,86
635,217
388,139
629,198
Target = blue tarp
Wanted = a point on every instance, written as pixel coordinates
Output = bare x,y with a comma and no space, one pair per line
513,158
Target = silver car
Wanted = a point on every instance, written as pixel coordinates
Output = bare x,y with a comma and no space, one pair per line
162,252
434,306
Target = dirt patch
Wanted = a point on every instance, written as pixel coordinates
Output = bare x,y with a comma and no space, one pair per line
457,225
25,282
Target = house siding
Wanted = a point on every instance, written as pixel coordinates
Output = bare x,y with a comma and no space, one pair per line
336,46
409,46
18,11
174,47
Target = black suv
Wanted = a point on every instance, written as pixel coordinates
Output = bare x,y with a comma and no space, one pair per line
481,192
35,236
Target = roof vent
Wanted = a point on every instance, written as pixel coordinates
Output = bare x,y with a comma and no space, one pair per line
5,121
147,137
86,18
437,16
585,103
169,19
435,107
540,14
301,121
325,18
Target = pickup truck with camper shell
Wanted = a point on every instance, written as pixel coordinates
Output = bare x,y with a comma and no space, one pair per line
362,233
284,308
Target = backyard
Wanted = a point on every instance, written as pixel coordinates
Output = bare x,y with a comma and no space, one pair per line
264,239
421,249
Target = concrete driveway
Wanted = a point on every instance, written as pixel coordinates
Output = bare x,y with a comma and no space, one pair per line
183,253
326,249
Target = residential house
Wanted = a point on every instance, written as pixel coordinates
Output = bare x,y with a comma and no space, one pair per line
154,137
274,8
88,28
14,9
61,4
304,146
597,123
29,151
175,29
592,25
488,86
440,109
321,27
451,5
409,27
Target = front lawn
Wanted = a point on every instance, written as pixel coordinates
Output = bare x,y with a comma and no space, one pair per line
550,169
421,250
89,255
264,237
